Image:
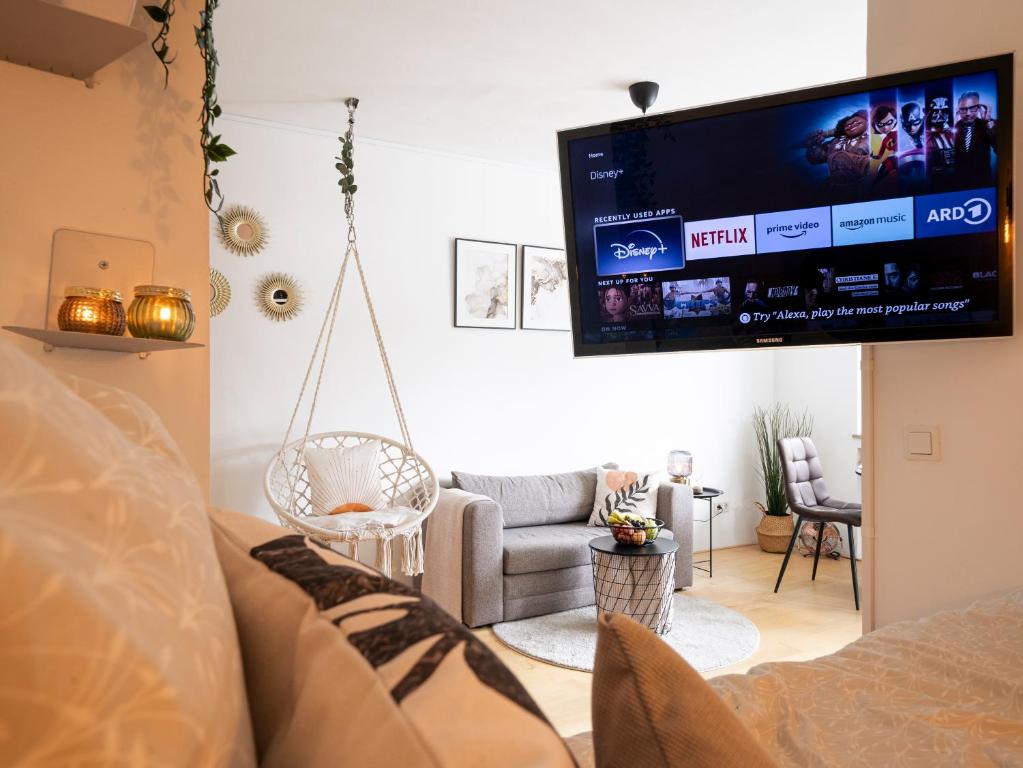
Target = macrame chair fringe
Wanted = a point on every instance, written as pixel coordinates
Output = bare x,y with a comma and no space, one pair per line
407,479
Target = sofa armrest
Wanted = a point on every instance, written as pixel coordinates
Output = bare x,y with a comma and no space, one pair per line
675,508
482,563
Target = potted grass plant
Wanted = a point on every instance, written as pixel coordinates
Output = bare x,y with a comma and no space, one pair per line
769,425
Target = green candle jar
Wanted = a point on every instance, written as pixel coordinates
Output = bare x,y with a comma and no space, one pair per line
161,312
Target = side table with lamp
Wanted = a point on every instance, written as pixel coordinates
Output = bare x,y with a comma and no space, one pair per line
680,468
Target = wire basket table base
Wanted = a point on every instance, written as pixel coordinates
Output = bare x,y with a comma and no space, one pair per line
636,581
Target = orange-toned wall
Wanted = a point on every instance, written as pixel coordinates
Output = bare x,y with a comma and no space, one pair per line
947,532
122,159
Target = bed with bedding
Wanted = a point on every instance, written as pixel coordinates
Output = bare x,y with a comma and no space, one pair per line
945,690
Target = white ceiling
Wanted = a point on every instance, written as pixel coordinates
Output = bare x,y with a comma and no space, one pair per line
498,79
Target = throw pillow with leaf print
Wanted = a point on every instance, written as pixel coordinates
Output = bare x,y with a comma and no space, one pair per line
623,491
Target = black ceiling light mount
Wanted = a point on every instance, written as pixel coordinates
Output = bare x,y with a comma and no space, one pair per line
644,94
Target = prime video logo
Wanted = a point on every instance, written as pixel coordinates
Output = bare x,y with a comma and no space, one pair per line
627,251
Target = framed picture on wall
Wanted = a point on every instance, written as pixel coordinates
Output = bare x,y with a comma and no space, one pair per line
545,305
485,284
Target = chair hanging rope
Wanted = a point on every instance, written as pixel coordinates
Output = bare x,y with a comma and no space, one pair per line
400,460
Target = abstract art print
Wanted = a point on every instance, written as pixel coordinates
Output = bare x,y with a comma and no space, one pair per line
545,304
485,284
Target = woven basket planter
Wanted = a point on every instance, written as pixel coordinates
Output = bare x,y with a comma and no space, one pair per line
774,532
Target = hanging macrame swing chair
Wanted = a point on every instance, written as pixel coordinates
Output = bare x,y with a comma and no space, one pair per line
407,481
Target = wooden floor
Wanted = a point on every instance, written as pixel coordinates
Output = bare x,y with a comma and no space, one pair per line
804,620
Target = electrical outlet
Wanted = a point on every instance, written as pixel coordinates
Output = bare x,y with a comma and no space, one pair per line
721,508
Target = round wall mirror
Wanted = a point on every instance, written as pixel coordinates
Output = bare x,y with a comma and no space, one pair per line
243,231
279,296
220,292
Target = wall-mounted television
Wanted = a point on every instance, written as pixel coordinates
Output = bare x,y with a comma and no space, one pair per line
867,211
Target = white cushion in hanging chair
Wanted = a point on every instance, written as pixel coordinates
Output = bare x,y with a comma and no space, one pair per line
345,480
394,517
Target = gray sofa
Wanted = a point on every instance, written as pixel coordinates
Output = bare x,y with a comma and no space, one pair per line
525,548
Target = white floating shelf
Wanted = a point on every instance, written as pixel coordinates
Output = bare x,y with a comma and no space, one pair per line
41,35
99,341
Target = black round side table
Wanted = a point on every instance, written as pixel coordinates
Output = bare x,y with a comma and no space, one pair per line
637,581
708,494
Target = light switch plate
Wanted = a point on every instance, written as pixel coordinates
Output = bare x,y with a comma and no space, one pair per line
921,442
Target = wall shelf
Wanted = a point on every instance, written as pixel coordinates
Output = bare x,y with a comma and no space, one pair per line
41,35
125,344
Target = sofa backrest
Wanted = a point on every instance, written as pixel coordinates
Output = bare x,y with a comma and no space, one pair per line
535,499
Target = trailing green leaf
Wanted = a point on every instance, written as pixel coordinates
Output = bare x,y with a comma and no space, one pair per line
213,149
162,15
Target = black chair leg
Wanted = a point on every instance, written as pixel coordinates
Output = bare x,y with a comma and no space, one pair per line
817,552
852,561
788,553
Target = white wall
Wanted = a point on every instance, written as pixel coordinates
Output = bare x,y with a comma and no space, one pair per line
947,532
491,401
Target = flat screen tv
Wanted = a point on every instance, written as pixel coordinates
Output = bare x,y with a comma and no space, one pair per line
868,211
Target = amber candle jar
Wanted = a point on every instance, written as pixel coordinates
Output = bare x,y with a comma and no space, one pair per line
161,312
91,310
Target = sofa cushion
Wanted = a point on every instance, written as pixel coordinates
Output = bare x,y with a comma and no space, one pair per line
535,499
550,547
117,639
674,717
345,666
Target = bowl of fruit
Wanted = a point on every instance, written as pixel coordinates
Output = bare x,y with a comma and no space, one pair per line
630,528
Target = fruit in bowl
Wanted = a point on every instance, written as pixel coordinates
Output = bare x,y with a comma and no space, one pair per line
630,528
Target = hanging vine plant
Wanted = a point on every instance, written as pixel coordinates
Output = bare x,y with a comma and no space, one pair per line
162,15
213,149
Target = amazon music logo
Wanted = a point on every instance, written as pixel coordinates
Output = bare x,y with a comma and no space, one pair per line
794,230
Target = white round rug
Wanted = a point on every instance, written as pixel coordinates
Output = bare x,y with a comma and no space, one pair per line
707,635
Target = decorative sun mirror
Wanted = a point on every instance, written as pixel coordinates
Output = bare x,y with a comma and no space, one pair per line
279,296
220,292
243,231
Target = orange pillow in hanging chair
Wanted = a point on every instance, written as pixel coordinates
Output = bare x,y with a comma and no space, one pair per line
352,506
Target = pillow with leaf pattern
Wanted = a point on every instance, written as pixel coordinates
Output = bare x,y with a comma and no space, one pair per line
621,490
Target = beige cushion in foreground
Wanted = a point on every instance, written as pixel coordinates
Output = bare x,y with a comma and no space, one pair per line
650,708
117,642
347,667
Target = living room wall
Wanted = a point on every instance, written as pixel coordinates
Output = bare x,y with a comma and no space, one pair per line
946,532
122,159
490,401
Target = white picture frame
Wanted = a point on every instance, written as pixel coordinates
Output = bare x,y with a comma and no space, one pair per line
544,299
486,284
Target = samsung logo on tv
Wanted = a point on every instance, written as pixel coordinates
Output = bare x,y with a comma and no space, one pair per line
770,340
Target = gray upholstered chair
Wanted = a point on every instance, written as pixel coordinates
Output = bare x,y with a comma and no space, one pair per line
809,499
525,549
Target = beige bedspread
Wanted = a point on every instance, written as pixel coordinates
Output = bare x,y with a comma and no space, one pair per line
944,690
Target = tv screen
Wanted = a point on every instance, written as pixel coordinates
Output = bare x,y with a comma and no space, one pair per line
868,211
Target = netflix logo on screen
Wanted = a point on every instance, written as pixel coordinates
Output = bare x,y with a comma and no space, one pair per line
716,238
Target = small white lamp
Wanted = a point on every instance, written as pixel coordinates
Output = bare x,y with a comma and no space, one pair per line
680,466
